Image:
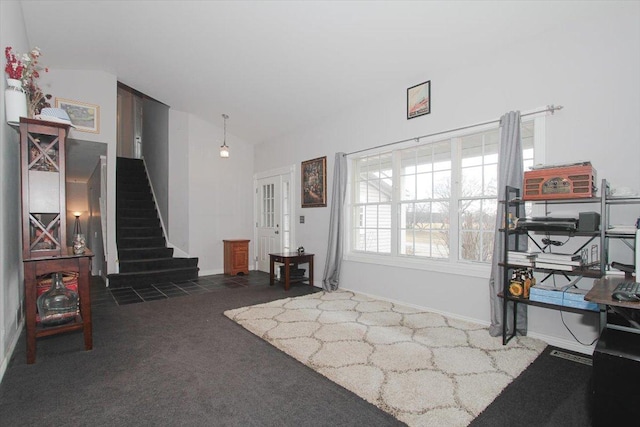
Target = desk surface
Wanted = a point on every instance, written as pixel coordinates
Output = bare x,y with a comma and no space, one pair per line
602,289
290,255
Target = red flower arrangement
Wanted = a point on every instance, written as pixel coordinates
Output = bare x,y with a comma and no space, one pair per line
14,67
25,68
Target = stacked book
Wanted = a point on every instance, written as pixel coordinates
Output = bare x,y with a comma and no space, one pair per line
524,259
557,261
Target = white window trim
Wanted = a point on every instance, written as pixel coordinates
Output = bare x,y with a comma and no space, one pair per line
462,268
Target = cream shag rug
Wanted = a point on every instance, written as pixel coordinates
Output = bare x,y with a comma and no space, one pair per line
423,368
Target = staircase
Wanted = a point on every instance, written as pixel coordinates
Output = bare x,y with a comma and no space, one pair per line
143,254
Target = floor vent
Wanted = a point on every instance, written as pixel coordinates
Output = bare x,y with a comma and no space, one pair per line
572,357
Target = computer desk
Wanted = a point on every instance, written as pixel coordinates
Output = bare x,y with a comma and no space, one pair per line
601,292
616,358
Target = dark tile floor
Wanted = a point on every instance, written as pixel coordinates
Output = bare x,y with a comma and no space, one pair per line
103,296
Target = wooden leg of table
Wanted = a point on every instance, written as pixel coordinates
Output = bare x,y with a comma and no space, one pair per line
30,310
311,271
85,303
287,274
271,275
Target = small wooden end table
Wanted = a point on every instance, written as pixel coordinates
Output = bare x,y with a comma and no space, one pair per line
288,259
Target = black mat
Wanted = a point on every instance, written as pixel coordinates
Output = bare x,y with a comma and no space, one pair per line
552,391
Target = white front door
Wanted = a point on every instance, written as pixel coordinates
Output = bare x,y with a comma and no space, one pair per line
269,219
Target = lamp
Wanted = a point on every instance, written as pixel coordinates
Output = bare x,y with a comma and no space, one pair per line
76,227
79,241
224,149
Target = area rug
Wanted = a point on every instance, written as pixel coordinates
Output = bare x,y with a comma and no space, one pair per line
423,368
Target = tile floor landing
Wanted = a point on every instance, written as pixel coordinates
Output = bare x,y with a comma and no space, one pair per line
103,296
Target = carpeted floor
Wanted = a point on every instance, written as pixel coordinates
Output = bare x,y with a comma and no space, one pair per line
177,361
421,367
180,361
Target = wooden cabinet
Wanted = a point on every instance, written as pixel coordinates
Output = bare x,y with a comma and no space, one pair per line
236,256
44,228
42,178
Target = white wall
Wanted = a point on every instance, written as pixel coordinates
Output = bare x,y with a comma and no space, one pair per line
220,191
93,230
178,228
98,88
77,201
592,68
12,33
155,150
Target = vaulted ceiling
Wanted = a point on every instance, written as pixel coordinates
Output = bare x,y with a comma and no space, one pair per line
278,66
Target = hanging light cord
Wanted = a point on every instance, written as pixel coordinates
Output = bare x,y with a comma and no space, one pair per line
225,117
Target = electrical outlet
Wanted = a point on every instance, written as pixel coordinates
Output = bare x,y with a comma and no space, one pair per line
301,219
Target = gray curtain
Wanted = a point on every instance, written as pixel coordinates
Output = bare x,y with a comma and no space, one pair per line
336,227
510,172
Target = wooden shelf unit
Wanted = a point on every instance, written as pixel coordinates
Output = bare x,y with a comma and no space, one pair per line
44,228
43,183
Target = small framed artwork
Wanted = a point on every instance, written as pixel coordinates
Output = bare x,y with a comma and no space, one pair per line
314,183
85,117
419,100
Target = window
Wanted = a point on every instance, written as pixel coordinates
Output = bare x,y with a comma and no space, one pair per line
268,207
433,201
425,184
372,231
286,216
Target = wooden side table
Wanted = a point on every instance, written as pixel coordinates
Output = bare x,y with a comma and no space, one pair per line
236,256
41,266
288,259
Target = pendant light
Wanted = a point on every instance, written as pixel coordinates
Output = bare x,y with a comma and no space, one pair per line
224,149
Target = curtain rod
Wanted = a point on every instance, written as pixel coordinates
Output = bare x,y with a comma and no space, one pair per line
552,108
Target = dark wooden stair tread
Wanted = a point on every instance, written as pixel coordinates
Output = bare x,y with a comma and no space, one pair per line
135,205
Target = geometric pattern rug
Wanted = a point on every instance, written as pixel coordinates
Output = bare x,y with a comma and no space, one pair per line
423,368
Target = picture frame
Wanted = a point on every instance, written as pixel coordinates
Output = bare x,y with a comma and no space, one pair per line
419,100
314,182
85,117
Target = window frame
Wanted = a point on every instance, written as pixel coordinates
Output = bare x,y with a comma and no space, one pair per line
445,265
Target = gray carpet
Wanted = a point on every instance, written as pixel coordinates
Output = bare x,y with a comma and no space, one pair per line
180,361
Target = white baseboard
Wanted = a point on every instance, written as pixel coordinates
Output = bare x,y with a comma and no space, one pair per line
12,347
565,344
210,272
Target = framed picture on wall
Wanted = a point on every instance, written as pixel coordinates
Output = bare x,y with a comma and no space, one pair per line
314,183
419,100
85,117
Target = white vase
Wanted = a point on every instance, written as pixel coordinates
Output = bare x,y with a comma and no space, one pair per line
15,101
